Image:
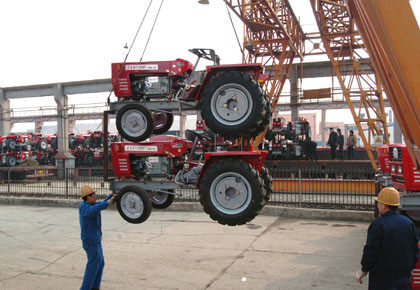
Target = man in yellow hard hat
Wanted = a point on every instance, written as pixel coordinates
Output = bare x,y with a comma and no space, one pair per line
391,249
91,235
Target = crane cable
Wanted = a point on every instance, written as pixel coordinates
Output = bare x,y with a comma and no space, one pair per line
151,31
234,30
129,50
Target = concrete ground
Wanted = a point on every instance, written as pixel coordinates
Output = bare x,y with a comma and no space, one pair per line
40,248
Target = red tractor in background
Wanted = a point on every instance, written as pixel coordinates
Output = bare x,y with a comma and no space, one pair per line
397,169
230,97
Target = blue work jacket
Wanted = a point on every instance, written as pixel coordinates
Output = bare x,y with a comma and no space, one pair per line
391,249
90,221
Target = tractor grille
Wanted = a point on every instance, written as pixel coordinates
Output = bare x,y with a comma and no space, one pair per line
123,84
123,164
416,175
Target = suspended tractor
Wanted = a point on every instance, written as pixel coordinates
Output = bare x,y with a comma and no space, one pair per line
229,97
233,186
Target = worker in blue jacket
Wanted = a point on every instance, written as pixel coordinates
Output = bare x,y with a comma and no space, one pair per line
91,235
391,249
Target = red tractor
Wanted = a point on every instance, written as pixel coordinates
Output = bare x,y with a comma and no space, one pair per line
230,97
233,186
397,169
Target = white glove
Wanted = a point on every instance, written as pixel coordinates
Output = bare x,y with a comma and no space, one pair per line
111,201
359,276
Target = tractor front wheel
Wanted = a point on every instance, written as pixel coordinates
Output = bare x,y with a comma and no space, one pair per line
134,122
162,200
162,122
232,192
134,204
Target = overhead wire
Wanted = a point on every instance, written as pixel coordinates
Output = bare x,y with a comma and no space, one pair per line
234,30
132,43
151,31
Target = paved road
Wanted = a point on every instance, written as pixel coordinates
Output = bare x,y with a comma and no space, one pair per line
40,248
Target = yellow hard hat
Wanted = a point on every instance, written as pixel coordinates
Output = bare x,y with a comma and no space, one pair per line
389,196
86,190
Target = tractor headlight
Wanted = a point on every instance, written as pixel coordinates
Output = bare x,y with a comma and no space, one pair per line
400,171
392,169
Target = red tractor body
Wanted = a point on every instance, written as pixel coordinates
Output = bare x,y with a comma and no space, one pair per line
233,185
149,92
169,146
404,173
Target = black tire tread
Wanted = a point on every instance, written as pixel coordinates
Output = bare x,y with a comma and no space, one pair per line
166,204
146,113
146,204
167,126
268,183
248,127
247,171
266,119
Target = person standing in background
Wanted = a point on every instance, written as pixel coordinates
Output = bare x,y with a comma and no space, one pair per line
351,143
332,142
340,143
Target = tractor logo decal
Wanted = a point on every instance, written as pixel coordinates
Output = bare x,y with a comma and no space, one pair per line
140,148
141,67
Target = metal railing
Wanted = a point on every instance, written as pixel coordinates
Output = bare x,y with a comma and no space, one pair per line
293,191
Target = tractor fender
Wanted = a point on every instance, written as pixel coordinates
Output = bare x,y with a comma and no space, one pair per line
254,158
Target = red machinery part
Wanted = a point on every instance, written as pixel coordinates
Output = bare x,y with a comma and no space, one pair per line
160,145
121,72
404,173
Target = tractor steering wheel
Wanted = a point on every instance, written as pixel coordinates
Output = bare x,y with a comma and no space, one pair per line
199,135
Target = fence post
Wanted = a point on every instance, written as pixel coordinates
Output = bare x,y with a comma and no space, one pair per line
300,188
377,190
66,173
8,180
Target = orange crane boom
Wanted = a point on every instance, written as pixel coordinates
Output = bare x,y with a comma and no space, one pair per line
391,35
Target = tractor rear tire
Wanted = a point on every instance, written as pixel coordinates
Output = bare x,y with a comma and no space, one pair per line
133,204
162,200
268,183
134,122
266,119
232,192
232,105
162,122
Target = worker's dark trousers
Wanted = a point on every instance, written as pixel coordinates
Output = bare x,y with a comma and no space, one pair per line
94,267
333,152
402,284
350,153
340,153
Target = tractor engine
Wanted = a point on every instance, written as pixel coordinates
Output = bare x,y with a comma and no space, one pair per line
159,157
160,79
151,167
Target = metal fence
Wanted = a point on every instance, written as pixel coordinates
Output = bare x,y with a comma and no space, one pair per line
298,190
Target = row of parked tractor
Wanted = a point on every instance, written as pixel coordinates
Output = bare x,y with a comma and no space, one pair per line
86,147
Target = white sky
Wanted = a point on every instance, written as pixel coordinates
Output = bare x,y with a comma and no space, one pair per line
48,41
